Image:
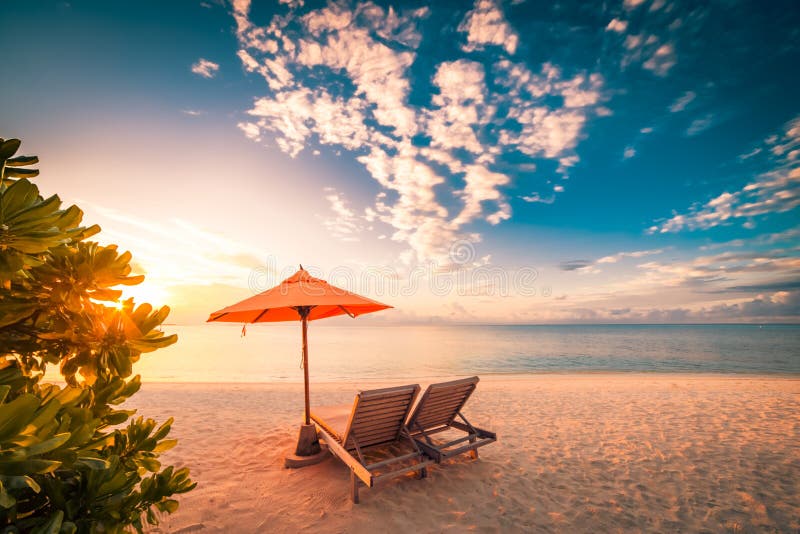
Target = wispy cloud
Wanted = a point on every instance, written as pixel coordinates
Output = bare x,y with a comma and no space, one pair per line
770,306
452,180
631,4
662,59
629,152
536,197
727,270
700,125
186,254
751,154
577,265
684,100
585,266
345,223
650,51
650,42
205,68
775,191
614,258
617,25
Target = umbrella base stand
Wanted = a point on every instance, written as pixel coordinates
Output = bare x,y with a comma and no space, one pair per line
308,451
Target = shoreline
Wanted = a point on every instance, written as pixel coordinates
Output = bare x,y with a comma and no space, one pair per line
500,377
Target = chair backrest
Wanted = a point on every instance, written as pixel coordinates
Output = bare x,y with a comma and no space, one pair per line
440,403
379,415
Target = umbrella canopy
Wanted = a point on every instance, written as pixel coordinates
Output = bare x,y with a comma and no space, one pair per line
285,301
305,298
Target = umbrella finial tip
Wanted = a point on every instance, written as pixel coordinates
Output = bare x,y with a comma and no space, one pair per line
301,267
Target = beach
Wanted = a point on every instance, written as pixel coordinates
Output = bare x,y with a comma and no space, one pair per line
583,452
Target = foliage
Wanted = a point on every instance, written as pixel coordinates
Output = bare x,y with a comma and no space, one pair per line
67,461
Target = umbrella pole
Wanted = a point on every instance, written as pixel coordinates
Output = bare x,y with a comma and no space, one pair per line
305,365
308,450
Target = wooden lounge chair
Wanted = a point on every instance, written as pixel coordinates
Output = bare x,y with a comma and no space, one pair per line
374,424
436,412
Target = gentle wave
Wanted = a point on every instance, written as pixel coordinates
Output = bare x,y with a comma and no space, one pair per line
271,352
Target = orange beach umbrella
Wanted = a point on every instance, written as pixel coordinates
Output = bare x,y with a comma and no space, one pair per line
299,297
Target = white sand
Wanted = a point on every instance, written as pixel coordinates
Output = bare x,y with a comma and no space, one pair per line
583,453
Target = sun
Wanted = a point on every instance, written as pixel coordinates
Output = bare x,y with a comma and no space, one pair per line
147,292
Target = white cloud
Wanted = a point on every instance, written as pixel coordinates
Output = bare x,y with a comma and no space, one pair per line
205,68
345,223
649,51
775,191
771,306
700,125
249,62
396,27
662,60
558,188
635,254
751,154
300,113
378,71
684,100
535,197
617,25
486,25
544,131
631,4
251,130
483,185
459,106
304,59
788,146
629,152
657,5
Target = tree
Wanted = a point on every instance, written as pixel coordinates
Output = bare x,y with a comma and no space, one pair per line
68,461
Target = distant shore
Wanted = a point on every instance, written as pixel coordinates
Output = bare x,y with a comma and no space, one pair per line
579,452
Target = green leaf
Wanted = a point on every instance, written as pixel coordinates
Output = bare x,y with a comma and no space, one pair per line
16,414
49,445
21,161
6,499
151,464
8,148
165,445
27,467
12,172
61,456
53,525
168,505
93,463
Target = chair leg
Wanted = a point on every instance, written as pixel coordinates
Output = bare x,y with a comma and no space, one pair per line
354,487
473,452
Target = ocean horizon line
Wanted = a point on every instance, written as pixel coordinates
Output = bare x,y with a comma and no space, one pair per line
346,323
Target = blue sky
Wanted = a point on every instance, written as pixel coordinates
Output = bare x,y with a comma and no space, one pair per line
641,158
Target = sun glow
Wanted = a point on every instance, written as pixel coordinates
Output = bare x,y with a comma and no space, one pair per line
147,292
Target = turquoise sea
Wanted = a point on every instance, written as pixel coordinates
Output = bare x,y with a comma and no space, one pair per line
271,352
